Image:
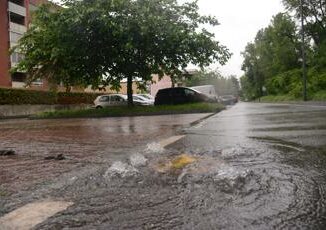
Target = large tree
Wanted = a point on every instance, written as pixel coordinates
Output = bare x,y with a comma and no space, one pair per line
104,41
276,49
314,14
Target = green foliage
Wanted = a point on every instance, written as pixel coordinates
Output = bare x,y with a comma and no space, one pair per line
19,97
284,83
320,96
103,41
314,17
135,111
269,60
277,98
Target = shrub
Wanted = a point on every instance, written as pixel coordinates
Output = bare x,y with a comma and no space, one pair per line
22,96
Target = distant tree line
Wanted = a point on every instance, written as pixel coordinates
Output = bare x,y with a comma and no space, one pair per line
223,85
101,42
272,62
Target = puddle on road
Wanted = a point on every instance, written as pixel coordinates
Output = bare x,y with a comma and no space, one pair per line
259,183
232,188
281,144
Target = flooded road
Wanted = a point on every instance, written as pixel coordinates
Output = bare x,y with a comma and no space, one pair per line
252,166
83,143
273,167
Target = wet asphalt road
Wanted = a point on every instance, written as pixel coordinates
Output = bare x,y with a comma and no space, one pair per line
258,166
273,170
83,142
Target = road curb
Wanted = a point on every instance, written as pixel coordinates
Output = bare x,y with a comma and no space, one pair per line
203,118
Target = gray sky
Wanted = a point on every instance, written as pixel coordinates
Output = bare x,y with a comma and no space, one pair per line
240,21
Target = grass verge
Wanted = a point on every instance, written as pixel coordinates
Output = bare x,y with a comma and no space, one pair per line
133,111
320,96
278,98
317,96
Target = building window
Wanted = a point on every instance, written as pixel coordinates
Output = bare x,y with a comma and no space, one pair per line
16,18
14,37
18,77
18,2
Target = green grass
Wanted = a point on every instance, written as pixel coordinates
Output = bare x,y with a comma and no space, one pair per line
319,96
278,98
133,111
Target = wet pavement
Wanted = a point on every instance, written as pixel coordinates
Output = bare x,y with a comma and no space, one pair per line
83,143
252,166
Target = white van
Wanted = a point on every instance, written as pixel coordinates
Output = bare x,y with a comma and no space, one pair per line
209,90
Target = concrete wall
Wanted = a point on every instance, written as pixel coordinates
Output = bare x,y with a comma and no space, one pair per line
25,110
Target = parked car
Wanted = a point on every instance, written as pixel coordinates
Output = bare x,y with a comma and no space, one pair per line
139,100
209,90
179,95
110,100
228,99
148,96
116,100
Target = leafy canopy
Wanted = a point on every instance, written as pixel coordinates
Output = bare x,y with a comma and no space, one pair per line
276,49
103,41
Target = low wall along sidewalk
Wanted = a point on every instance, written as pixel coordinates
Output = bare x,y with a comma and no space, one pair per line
27,110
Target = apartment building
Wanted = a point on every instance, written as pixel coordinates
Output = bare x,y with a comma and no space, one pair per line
15,16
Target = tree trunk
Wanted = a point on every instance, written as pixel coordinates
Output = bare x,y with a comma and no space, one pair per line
129,91
68,89
172,82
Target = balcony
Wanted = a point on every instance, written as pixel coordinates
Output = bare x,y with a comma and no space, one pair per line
13,44
17,9
14,27
17,84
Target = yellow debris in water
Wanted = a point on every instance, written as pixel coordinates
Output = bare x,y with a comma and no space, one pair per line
182,161
176,163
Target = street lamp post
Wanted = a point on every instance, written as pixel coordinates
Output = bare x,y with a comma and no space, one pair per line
304,68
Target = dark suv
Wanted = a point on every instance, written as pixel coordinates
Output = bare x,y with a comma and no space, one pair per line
179,95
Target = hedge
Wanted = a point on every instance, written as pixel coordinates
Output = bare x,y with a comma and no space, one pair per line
21,96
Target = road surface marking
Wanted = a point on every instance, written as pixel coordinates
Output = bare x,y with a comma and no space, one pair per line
32,214
170,140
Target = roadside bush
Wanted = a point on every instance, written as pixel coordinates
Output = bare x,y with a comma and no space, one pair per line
320,96
284,83
75,98
21,96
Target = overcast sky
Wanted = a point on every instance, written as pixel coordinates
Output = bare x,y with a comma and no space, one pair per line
239,22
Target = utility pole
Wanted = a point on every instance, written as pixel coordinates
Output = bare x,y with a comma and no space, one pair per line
304,68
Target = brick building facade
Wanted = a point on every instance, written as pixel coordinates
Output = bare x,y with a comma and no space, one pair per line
15,16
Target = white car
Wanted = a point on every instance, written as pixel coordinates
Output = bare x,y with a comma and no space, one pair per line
139,100
110,100
116,100
145,98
